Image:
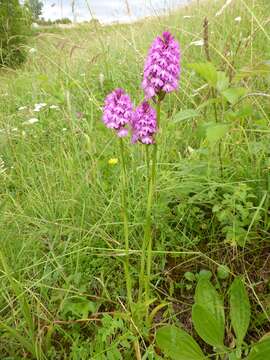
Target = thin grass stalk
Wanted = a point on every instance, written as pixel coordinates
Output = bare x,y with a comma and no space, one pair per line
28,342
125,221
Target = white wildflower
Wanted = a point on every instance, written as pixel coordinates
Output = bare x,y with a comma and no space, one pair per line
38,107
197,42
32,51
64,129
55,107
21,108
30,121
238,19
227,3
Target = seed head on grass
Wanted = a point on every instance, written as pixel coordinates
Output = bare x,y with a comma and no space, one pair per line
162,66
2,166
117,112
144,124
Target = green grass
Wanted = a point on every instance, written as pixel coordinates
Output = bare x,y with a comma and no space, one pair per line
61,223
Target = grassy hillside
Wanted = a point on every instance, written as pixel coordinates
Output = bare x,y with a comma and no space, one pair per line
63,292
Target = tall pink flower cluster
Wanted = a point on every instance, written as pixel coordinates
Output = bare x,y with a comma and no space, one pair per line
162,66
161,76
144,124
118,112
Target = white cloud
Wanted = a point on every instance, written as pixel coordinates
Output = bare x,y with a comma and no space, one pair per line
105,10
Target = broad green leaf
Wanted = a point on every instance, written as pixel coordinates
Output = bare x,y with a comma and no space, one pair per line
208,299
78,307
201,129
222,81
216,132
239,310
207,71
207,326
185,115
242,113
232,95
207,296
178,345
260,351
233,356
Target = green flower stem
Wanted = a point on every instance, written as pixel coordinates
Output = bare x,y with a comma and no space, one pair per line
146,258
151,191
147,164
144,244
125,221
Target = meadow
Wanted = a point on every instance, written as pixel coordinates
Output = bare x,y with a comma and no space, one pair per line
62,248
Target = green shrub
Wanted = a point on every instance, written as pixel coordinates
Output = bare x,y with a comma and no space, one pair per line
15,28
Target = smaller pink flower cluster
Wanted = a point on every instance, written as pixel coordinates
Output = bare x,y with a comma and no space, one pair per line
161,75
118,112
144,124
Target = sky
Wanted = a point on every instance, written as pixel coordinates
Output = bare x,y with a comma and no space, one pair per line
107,10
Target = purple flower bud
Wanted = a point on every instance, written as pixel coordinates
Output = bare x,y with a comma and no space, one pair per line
117,112
162,66
144,124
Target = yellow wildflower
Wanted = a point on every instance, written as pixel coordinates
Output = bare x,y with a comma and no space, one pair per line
113,161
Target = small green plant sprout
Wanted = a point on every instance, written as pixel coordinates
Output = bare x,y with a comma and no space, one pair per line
193,277
210,323
223,272
189,276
